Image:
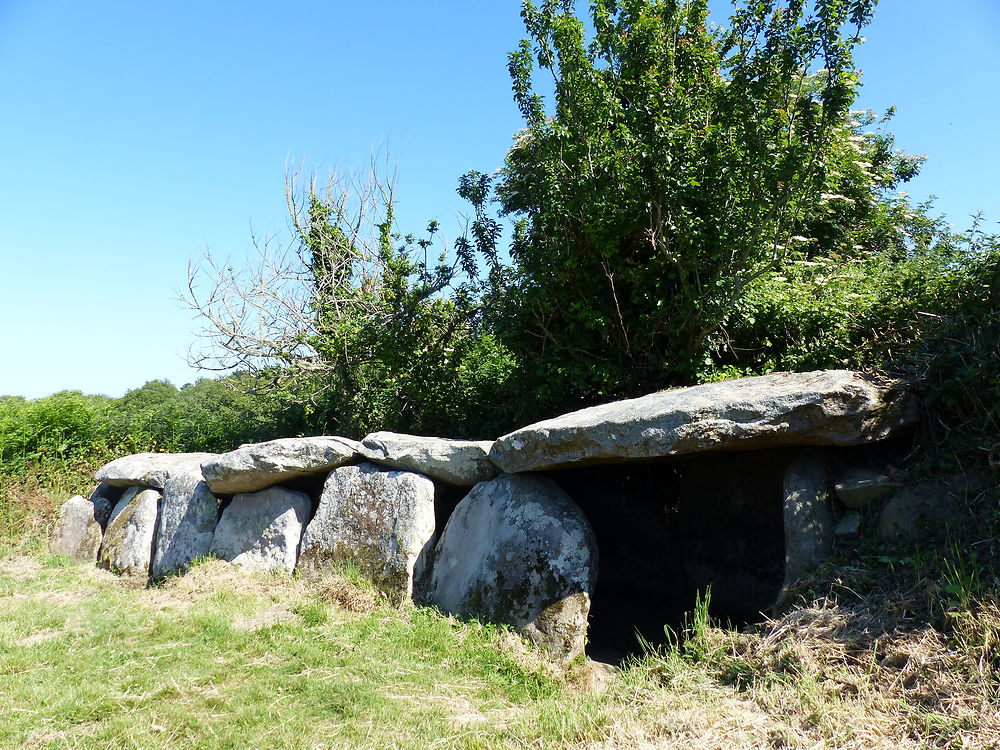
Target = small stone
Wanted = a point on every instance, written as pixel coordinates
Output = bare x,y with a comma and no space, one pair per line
848,526
858,487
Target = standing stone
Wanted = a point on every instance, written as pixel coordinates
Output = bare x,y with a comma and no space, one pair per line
188,514
150,469
128,540
828,407
78,531
256,466
261,531
380,521
808,521
464,463
518,551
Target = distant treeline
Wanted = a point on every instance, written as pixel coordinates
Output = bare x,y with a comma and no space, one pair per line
71,428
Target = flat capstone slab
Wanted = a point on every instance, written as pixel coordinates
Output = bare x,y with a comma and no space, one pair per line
256,466
150,469
827,407
463,463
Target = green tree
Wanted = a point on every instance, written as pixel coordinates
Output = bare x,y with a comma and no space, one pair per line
672,170
360,325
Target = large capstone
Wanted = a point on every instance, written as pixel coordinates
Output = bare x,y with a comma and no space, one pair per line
261,531
831,407
150,469
128,539
518,551
188,514
381,522
256,466
459,462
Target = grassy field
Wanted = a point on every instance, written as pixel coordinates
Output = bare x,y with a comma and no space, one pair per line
217,659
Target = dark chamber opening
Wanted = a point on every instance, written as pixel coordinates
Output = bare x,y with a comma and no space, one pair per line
668,530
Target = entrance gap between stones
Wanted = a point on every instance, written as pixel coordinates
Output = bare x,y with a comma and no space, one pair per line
668,530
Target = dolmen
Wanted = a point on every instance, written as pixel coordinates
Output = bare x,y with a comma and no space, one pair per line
626,503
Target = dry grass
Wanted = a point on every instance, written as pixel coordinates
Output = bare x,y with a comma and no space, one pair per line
829,673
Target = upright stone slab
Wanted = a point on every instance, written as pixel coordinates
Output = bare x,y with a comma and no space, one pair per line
261,531
381,521
150,469
256,466
128,541
829,407
459,462
188,514
78,532
808,522
517,550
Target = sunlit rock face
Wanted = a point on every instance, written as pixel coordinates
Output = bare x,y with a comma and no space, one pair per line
379,521
517,550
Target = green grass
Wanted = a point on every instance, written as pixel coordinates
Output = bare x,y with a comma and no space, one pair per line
219,662
217,659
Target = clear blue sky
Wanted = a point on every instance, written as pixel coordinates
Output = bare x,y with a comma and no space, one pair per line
137,135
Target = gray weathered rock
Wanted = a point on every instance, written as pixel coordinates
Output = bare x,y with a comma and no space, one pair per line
149,469
832,407
78,531
188,514
858,487
261,531
918,509
808,521
255,466
128,539
460,462
380,521
849,526
517,550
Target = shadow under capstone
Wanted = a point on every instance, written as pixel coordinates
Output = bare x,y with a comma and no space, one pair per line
668,530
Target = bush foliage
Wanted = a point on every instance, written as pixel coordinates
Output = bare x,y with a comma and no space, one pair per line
691,202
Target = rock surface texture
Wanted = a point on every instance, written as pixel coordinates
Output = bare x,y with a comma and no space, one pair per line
188,513
256,466
830,407
261,531
128,540
78,531
858,487
517,550
380,521
808,521
149,469
459,462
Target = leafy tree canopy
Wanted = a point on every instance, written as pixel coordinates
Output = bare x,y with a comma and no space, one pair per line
677,163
